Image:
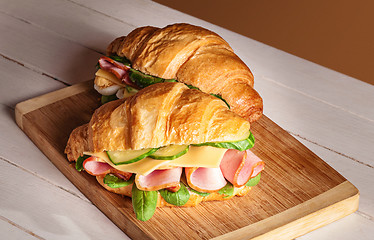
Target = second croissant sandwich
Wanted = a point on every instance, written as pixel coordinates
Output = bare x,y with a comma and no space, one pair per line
167,145
180,52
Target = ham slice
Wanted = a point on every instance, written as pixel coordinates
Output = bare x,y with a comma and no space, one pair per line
94,167
239,166
159,179
120,70
205,179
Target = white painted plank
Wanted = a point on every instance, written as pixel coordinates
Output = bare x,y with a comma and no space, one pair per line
360,175
140,13
48,211
10,230
17,149
46,52
69,20
318,122
348,228
313,80
266,62
19,83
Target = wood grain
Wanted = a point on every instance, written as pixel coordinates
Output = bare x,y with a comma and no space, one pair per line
298,191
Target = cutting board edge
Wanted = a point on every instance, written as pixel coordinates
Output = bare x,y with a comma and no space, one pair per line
347,202
24,107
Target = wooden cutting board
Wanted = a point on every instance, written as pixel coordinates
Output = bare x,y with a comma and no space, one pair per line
298,191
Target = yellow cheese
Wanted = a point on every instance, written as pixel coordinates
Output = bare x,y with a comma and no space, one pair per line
102,74
203,156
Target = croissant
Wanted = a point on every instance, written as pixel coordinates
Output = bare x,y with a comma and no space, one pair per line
195,56
159,115
167,115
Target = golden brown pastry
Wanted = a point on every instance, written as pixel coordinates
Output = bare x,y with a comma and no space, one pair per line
163,116
159,115
195,56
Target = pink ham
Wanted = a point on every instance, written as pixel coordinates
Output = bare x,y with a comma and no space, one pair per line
159,179
97,168
205,179
120,70
239,166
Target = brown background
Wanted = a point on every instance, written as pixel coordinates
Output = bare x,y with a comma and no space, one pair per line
338,34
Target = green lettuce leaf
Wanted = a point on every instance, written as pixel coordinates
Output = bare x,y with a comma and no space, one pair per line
115,182
144,80
123,60
178,198
144,203
203,194
79,162
220,97
192,87
254,181
239,145
227,190
105,99
214,95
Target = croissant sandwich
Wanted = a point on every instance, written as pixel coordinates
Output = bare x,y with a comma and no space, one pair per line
167,145
180,52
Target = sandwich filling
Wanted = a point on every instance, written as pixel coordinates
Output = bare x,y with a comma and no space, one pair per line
201,169
116,79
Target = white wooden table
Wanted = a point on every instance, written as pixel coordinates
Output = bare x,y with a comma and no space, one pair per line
46,45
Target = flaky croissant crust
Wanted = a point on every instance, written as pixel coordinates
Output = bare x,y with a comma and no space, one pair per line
159,115
195,56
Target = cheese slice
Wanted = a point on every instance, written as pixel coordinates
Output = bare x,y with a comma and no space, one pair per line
204,156
108,76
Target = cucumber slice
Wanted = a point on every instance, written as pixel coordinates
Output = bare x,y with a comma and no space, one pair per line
170,152
129,156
